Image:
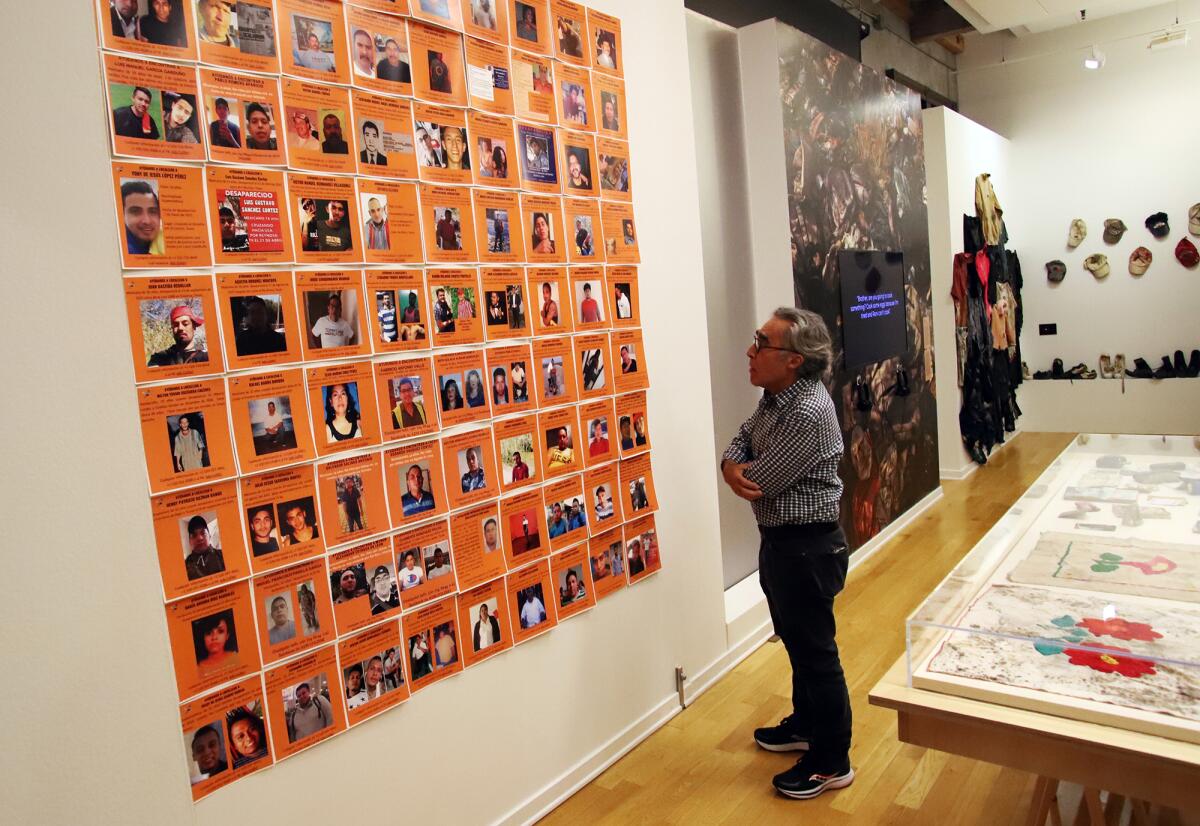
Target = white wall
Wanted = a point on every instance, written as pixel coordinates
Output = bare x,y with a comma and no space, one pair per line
956,150
1115,143
90,722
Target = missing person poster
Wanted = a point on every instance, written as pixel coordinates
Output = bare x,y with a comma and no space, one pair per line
470,468
628,361
623,288
198,535
489,83
172,327
325,219
398,306
446,13
258,318
437,57
342,400
353,506
603,489
373,671
389,6
637,486
537,158
569,34
449,224
302,702
518,452
523,524
573,96
225,736
455,296
270,420
487,19
494,143
243,118
483,614
383,127
407,399
240,36
503,308
531,601
606,557
331,314
130,26
463,394
585,242
379,55
152,109
632,428
444,149
362,580
592,311
529,25
554,364
566,513
510,371
620,235
161,211
424,564
561,442
550,293
280,510
432,639
580,164
416,487
543,215
609,100
185,434
597,419
319,138
604,33
392,230
248,216
212,638
500,238
533,88
641,548
294,610
478,545
312,40
612,169
572,577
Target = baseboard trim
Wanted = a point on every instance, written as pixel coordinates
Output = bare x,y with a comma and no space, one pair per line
957,475
708,676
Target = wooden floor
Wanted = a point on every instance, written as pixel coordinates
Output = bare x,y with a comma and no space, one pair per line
703,766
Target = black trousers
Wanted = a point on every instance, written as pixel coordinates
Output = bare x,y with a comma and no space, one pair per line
801,569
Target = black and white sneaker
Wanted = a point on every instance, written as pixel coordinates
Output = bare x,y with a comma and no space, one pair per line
804,780
782,737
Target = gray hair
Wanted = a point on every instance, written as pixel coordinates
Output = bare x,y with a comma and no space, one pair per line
808,336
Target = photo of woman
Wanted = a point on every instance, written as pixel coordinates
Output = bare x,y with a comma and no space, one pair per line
541,240
475,395
341,412
451,396
215,641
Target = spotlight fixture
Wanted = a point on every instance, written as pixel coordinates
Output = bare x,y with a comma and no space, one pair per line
1094,60
1167,38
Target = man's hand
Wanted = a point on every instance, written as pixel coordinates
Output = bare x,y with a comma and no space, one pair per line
735,477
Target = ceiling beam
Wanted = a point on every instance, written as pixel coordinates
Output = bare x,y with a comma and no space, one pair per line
932,19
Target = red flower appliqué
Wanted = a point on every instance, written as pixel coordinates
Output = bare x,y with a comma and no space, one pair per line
1108,661
1120,629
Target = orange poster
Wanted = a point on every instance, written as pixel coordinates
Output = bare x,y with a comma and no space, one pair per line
240,35
606,553
591,357
493,145
612,169
574,98
585,245
572,576
258,318
248,216
224,736
562,443
523,523
294,611
407,400
529,25
499,234
161,210
537,157
510,370
383,127
302,702
373,671
570,32
579,166
319,137
641,548
483,615
325,219
392,229
518,452
637,485
487,19
441,12
443,145
312,40
551,294
185,434
270,420
478,546
415,482
601,486
531,601
604,33
389,6
341,398
488,80
424,564
398,309
628,361
455,296
566,512
331,314
281,517
363,583
543,216
462,389
620,235
470,468
243,118
596,420
533,88
171,327
623,287
212,638
437,63
198,533
503,307
555,371
591,307
432,639
449,224
352,501
152,109
136,28
631,422
379,56
609,97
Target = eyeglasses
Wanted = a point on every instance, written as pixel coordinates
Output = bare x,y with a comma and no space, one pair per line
760,344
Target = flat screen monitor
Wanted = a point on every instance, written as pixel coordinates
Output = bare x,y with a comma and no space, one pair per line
874,327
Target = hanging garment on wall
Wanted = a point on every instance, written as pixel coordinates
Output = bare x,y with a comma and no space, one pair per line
1016,281
958,293
987,209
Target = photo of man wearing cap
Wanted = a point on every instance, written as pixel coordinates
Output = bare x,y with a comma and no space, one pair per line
188,347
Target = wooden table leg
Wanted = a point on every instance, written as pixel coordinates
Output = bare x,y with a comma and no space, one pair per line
1095,809
1043,798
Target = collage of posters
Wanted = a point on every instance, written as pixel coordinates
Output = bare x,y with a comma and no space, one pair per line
380,268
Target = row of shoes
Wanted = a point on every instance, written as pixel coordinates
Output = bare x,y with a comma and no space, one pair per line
1057,371
1171,368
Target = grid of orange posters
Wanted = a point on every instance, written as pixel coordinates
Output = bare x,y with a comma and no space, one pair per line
606,558
283,174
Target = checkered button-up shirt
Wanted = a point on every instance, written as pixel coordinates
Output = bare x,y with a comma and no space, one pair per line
793,444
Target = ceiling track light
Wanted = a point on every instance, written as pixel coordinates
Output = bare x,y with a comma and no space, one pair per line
1168,38
1094,60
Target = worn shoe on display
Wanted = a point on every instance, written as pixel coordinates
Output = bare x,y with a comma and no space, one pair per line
1140,260
1141,370
1025,374
1081,371
1180,365
1057,371
1106,368
782,737
806,780
1118,365
1166,371
1194,365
